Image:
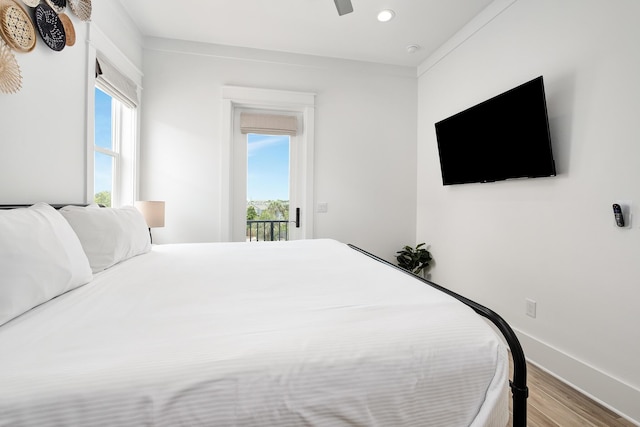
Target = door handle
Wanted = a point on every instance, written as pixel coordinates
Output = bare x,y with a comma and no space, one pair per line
297,217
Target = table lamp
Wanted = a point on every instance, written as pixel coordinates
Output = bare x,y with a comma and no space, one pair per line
153,213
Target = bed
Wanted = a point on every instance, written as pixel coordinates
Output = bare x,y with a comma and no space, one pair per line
299,333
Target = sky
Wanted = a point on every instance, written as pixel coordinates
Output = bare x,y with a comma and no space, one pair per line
102,173
267,167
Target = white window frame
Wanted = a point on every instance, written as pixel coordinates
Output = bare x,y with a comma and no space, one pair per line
123,128
126,185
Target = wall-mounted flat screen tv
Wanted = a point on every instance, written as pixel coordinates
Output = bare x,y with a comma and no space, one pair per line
504,137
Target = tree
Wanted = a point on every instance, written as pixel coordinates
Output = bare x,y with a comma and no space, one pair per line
277,210
251,213
103,198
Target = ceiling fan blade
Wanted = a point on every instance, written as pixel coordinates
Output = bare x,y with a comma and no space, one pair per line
343,6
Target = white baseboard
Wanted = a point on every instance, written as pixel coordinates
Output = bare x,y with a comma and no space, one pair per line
608,391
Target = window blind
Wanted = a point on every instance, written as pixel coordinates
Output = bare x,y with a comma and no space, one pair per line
115,81
268,124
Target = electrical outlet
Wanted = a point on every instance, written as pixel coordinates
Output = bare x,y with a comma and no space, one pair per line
323,207
531,308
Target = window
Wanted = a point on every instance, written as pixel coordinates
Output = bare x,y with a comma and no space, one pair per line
114,148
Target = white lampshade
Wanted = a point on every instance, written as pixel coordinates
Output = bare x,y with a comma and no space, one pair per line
153,212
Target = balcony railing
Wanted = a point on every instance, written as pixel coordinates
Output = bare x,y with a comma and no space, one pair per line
267,230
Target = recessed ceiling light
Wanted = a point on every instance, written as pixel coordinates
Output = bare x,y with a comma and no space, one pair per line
386,15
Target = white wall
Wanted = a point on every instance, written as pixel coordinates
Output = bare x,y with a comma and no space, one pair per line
364,140
43,127
552,239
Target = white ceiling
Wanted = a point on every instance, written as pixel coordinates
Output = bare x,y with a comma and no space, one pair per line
310,27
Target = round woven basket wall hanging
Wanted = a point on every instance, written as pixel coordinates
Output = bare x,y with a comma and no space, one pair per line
81,8
69,30
50,27
57,5
16,26
10,77
31,3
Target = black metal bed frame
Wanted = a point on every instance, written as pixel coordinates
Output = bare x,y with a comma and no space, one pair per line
519,389
53,205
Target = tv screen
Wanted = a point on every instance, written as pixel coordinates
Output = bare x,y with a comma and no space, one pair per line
504,137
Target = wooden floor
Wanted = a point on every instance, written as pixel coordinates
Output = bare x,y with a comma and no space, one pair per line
553,403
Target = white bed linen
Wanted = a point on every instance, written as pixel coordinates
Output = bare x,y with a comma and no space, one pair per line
252,334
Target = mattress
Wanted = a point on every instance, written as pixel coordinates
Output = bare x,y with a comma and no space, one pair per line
300,333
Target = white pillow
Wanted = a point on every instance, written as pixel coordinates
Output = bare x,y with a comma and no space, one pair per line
40,258
109,235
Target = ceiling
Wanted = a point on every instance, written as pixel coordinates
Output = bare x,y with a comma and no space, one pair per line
310,27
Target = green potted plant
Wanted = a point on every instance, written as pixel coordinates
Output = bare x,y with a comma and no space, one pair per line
416,260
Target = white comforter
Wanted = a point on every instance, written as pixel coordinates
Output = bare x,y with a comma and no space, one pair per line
252,334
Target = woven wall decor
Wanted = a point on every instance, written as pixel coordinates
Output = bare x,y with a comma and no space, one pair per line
31,3
10,77
16,26
57,5
69,29
81,8
50,27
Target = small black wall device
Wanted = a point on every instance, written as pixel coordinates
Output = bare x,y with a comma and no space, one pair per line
617,213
